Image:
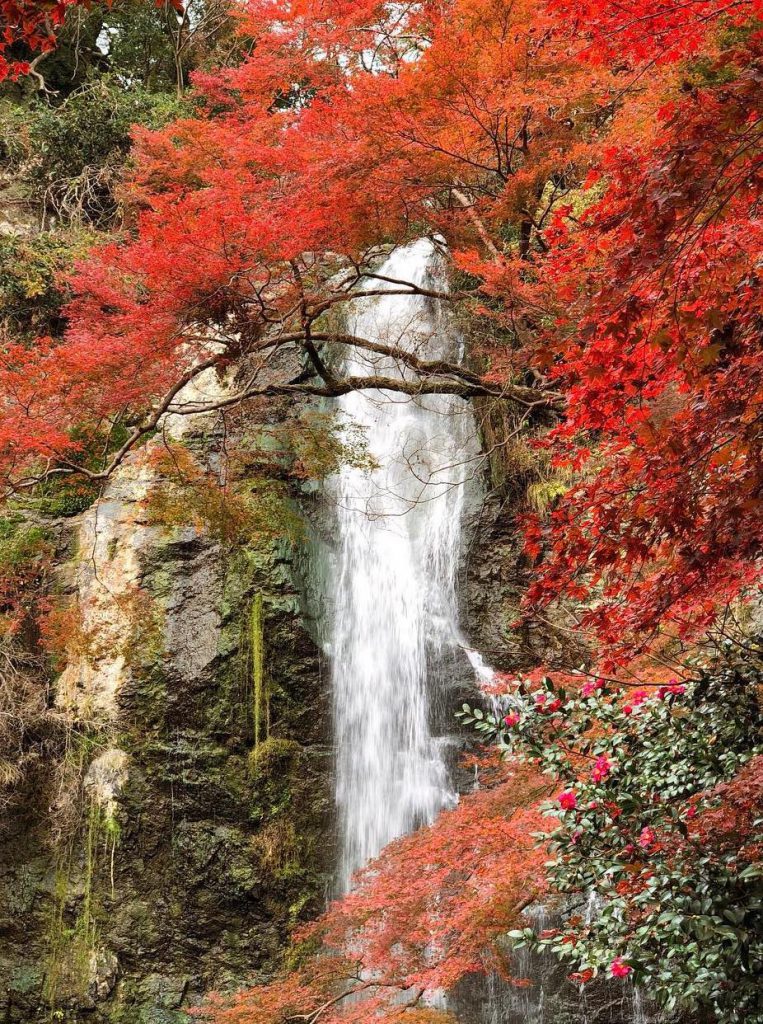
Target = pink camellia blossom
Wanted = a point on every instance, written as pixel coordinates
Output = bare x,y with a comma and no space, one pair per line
554,706
601,769
619,969
633,700
673,687
511,719
647,838
568,801
589,689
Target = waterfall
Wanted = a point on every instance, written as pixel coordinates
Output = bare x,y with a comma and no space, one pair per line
395,620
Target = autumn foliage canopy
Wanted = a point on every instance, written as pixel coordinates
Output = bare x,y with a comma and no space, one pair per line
596,175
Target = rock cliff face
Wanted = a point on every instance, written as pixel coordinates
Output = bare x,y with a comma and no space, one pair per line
195,782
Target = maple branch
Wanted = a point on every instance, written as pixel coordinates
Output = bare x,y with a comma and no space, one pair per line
479,224
149,424
424,366
414,388
34,73
471,383
409,289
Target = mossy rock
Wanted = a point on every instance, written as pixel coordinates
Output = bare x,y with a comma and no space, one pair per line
275,758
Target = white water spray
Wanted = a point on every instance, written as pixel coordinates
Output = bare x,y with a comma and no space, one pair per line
399,532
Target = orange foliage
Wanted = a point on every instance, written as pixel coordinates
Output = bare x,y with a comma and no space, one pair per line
731,825
431,909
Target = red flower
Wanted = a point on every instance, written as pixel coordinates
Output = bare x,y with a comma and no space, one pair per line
619,969
511,719
568,801
582,976
588,689
544,705
601,769
638,697
627,710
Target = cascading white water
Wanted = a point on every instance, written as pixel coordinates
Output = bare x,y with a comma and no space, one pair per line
395,613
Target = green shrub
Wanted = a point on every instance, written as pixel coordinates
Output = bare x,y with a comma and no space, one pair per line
72,155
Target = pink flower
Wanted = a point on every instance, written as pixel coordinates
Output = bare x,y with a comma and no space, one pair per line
673,687
511,719
575,837
635,699
619,969
568,801
553,706
601,769
646,839
540,699
589,689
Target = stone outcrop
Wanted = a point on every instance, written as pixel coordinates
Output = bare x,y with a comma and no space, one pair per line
199,835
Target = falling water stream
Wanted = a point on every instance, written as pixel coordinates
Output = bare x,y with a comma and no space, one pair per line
395,613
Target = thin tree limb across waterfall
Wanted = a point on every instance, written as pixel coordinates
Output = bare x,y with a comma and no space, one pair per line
421,376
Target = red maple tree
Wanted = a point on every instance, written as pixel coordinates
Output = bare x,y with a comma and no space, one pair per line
605,206
30,24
